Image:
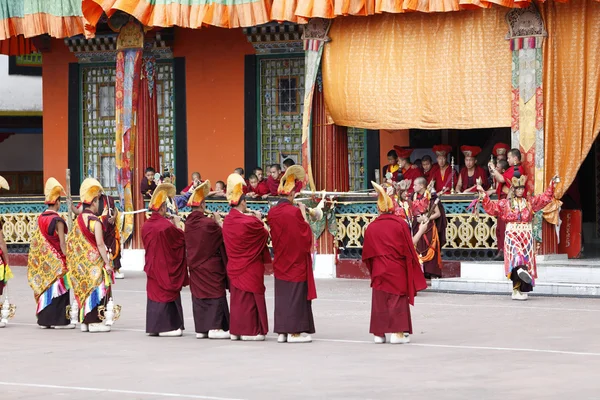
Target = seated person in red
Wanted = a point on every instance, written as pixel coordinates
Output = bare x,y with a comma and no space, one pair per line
391,170
273,180
471,172
408,170
500,151
196,181
259,174
444,176
256,189
148,185
428,167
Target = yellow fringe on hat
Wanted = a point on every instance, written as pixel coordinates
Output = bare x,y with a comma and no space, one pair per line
384,202
235,188
89,190
199,194
288,181
160,195
53,190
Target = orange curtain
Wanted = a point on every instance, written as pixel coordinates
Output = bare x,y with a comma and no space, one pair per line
16,46
428,71
571,86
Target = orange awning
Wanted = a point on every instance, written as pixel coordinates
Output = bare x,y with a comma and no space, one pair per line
17,46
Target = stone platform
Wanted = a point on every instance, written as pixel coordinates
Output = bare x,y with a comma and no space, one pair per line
555,277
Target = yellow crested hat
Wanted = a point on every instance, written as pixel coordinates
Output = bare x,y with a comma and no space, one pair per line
384,202
288,181
53,190
199,194
160,195
519,179
89,190
4,183
235,188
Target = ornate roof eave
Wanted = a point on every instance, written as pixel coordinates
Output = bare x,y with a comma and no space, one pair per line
275,38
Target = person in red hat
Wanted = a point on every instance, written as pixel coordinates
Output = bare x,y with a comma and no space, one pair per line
500,151
409,171
471,172
428,167
444,176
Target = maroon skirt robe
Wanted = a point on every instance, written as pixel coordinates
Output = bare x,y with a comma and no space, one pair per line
292,266
245,239
396,275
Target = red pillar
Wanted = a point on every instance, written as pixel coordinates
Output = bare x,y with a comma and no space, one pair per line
329,161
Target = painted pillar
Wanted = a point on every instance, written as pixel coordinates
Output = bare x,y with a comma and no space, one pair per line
526,35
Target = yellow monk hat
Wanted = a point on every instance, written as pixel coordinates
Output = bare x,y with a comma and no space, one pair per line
160,195
4,183
384,202
288,181
53,190
89,190
235,188
199,194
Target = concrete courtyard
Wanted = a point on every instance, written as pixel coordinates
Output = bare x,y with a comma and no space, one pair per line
463,347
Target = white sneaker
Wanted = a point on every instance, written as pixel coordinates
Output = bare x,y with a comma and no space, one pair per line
218,334
520,296
45,327
98,327
2,324
257,338
282,338
379,339
298,338
84,328
234,337
175,333
524,275
201,335
119,275
400,338
70,326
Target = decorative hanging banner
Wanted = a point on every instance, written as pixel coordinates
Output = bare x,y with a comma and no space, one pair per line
315,37
127,87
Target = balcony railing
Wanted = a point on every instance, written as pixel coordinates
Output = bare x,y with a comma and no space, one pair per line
468,236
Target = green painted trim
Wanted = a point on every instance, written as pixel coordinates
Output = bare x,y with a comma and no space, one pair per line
9,113
258,93
174,110
366,161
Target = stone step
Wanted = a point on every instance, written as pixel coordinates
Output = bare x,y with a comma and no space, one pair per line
463,285
566,272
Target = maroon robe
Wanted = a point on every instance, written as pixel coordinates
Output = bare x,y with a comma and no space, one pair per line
444,179
470,181
166,270
206,259
246,240
429,174
273,185
54,314
396,275
145,186
292,266
385,170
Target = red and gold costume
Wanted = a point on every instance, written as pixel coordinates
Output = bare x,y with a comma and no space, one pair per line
5,272
90,280
517,213
411,172
47,271
393,169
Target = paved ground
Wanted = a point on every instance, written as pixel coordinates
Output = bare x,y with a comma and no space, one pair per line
464,347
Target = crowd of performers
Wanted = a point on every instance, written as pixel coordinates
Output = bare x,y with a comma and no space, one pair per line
212,254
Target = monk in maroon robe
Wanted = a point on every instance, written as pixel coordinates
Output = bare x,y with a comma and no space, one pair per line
245,238
396,275
392,167
444,176
206,259
471,173
165,266
409,171
292,263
